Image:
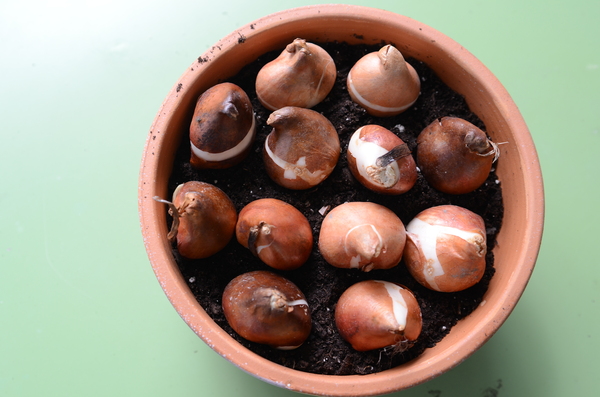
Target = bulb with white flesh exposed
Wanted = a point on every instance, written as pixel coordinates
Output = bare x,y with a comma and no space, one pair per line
302,149
375,314
381,161
446,248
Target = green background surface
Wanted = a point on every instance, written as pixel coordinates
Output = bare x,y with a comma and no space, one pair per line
80,83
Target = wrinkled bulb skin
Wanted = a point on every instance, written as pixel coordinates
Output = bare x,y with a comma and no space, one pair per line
383,83
302,75
276,232
365,150
223,127
376,314
266,308
205,219
446,248
362,235
454,155
302,149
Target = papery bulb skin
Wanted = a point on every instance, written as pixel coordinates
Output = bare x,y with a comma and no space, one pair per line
367,151
302,75
383,83
223,127
207,219
276,232
375,314
454,155
362,235
446,248
266,308
303,148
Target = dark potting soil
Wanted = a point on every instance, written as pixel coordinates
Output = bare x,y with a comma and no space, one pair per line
325,352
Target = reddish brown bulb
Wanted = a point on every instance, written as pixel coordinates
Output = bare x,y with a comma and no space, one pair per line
445,248
204,219
303,148
383,83
223,127
266,308
374,314
302,75
362,235
455,156
276,232
381,161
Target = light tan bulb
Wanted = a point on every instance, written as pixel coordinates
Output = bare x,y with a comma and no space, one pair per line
302,75
383,82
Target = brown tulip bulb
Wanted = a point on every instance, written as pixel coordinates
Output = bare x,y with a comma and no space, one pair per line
302,75
362,235
374,314
303,148
381,161
455,156
275,232
383,83
445,248
223,127
204,219
266,308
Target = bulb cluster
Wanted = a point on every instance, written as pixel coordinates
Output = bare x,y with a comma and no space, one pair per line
443,247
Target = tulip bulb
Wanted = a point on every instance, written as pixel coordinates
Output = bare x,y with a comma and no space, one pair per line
446,248
362,235
275,232
204,219
455,156
302,75
383,83
302,149
223,127
381,161
375,314
266,308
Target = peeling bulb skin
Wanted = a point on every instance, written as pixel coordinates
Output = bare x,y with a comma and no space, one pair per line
455,156
302,75
223,127
207,219
362,235
374,314
446,248
366,146
276,232
383,83
266,308
302,150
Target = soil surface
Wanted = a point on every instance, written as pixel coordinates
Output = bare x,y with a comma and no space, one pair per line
325,352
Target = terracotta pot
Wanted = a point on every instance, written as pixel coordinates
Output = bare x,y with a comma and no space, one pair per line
519,171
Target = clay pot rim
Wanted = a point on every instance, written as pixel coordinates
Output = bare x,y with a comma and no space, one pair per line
434,361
